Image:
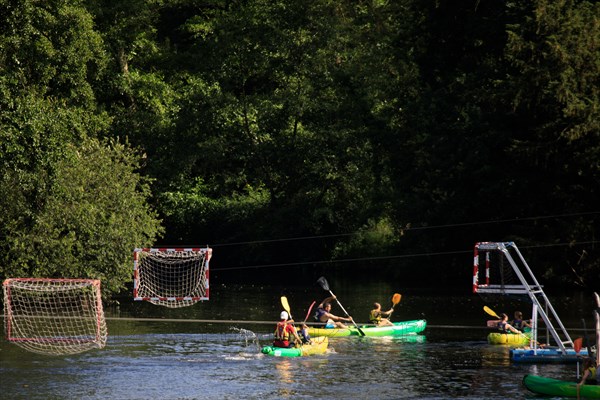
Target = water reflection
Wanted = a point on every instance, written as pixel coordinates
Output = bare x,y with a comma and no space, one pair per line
494,355
284,376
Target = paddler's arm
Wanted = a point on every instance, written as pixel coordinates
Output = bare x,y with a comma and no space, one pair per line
328,299
336,318
584,377
297,338
512,328
582,382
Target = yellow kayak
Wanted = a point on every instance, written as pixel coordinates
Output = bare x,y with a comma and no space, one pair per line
514,339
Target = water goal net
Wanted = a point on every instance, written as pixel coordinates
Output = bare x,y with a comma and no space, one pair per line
54,316
171,277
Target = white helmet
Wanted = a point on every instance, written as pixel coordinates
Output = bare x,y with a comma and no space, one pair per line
283,315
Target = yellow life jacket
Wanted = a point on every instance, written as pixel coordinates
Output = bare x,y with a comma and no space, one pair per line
375,316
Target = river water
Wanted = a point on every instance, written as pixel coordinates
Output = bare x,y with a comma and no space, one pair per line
212,351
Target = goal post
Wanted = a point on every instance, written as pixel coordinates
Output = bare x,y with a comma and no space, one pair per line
54,316
495,269
171,277
505,272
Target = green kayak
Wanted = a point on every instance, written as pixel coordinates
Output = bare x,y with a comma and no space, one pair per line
318,346
398,329
556,387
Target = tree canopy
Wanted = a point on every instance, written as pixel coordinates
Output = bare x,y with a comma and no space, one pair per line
365,138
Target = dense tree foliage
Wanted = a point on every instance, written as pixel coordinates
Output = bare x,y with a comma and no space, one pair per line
368,138
72,205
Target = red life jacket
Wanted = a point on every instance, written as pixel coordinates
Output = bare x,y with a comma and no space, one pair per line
282,336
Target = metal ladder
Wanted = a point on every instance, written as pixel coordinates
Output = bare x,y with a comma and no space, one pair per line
529,285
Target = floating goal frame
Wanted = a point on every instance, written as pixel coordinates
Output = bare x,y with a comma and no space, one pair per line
499,286
54,316
145,290
528,285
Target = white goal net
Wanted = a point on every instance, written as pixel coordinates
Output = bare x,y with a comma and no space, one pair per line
171,277
54,316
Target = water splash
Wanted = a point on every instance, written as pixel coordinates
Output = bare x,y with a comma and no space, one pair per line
248,337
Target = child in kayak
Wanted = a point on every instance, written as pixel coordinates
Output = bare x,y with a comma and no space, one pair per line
519,323
304,334
377,316
504,326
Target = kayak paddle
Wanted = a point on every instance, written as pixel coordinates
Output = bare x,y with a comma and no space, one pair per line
577,344
396,299
490,312
309,310
323,282
585,338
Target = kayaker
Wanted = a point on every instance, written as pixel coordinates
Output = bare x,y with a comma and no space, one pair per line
589,370
324,315
377,316
304,334
504,326
285,331
519,323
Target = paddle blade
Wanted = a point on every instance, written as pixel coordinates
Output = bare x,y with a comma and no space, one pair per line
286,305
490,312
309,310
577,344
323,282
396,299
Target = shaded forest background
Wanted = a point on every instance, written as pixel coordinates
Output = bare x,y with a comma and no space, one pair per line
378,140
